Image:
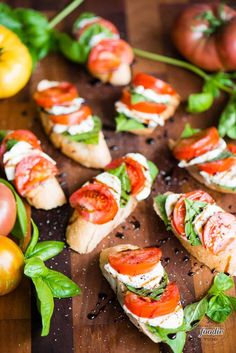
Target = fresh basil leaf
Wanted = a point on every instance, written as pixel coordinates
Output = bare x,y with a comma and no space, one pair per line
227,122
20,227
188,131
199,102
232,301
33,240
11,143
124,123
9,19
160,201
3,133
153,170
137,98
155,293
175,341
83,16
61,286
194,313
45,250
89,138
223,155
72,49
221,283
34,267
193,208
45,303
121,173
219,308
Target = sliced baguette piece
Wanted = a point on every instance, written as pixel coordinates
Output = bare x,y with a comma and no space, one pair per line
168,113
225,262
90,156
119,288
83,236
47,195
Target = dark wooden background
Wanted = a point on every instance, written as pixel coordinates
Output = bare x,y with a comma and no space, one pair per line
94,322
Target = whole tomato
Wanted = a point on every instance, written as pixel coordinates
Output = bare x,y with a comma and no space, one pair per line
11,265
205,34
7,210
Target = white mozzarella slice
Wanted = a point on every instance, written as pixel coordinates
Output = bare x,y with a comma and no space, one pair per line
201,219
227,178
171,321
85,126
45,84
87,21
152,95
147,280
145,192
152,120
206,157
112,182
74,105
170,204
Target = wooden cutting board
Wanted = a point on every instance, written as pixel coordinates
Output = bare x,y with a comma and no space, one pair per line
94,322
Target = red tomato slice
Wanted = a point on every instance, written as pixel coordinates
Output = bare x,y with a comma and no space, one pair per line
145,107
151,82
196,145
219,232
64,92
134,171
135,262
100,21
20,135
232,148
31,171
107,55
73,118
95,203
180,210
218,166
148,308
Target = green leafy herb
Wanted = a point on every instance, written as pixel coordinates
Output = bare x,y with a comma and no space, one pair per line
160,201
219,308
11,143
175,340
221,283
35,267
45,250
223,155
61,286
123,123
193,208
33,240
154,294
71,49
89,138
82,17
153,170
188,131
194,313
199,102
227,122
121,173
3,133
137,98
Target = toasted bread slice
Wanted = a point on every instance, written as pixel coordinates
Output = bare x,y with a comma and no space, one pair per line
225,262
83,236
47,195
119,288
91,156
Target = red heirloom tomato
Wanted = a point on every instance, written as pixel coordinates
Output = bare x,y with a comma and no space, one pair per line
73,118
218,166
146,307
97,20
95,203
135,262
205,34
231,148
11,265
7,210
151,82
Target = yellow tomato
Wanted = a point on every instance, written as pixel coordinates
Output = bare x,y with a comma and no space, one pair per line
11,265
15,63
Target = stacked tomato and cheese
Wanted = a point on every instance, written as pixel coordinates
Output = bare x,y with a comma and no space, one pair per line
210,156
146,102
99,200
212,227
147,295
24,161
65,109
108,56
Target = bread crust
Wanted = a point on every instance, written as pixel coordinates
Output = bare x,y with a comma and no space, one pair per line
225,262
47,195
119,288
83,236
90,156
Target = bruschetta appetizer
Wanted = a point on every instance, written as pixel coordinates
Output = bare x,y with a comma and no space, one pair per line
141,284
146,104
31,170
207,158
108,57
108,199
70,124
203,228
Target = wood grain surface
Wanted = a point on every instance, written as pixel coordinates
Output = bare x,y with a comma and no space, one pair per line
145,24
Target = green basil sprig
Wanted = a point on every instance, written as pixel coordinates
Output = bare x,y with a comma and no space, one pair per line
193,208
121,173
123,123
227,122
155,293
188,131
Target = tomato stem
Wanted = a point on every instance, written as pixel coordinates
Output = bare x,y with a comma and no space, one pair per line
180,63
64,13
